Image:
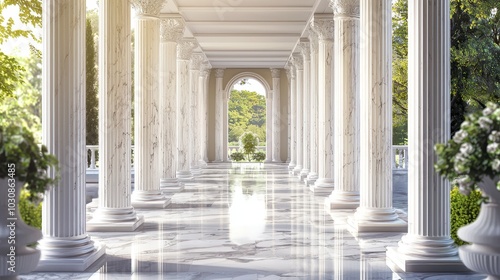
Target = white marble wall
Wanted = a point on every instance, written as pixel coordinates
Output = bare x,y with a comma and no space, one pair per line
65,245
185,48
313,135
293,117
324,29
428,240
276,118
299,69
305,50
171,31
219,108
346,106
114,211
147,191
194,114
376,212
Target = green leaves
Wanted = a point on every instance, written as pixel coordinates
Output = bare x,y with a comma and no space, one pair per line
247,112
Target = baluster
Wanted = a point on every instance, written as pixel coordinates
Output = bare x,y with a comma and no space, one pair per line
92,158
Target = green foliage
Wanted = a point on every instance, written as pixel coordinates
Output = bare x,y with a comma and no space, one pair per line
248,143
247,112
259,156
31,212
464,210
92,103
237,156
11,74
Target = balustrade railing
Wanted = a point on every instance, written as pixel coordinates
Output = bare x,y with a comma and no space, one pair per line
400,157
93,157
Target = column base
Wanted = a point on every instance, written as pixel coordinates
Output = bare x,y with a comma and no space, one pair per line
291,166
171,189
342,200
196,170
184,176
202,163
68,254
149,199
401,262
105,226
169,183
115,219
311,178
322,186
296,170
376,220
303,174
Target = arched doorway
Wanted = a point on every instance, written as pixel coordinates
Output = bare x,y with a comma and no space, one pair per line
259,82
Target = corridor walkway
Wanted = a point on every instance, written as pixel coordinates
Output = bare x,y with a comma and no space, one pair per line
245,221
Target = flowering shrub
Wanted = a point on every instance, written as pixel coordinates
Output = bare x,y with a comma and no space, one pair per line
474,150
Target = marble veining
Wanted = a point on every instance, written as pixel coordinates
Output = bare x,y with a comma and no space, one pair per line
246,221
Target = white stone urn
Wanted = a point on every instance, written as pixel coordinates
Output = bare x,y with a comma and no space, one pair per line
15,257
483,255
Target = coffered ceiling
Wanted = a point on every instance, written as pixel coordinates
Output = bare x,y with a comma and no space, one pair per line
247,33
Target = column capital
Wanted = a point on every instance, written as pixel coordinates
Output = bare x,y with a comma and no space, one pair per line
171,28
298,61
196,61
305,49
205,69
219,73
275,73
313,40
185,49
345,8
148,7
323,27
290,69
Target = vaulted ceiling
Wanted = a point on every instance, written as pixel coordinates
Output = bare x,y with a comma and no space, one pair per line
247,33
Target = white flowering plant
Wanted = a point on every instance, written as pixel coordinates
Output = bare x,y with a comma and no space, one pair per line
473,152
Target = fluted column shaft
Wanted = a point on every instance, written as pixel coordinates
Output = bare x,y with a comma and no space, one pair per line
276,75
293,118
306,100
63,129
376,212
324,28
146,106
171,31
269,127
428,235
346,106
114,211
184,51
219,108
289,114
313,134
204,82
194,114
299,88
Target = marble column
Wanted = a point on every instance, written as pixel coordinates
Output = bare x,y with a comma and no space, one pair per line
375,213
346,106
204,82
219,119
147,193
269,126
427,246
293,117
171,30
305,50
313,134
276,75
299,71
289,115
323,25
185,49
114,211
65,244
194,113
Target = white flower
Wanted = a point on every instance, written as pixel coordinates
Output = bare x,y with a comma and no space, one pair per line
464,184
466,149
492,148
495,165
464,125
485,123
494,136
487,111
460,136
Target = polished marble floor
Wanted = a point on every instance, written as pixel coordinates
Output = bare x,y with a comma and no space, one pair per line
247,221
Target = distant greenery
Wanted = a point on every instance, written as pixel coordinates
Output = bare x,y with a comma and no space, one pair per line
247,112
464,210
248,143
92,102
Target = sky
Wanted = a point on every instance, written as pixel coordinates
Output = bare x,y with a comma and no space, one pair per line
251,85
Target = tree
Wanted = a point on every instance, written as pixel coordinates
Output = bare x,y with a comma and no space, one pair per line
247,112
92,104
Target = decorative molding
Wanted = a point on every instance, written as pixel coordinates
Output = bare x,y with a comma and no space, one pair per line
298,61
305,48
323,27
205,69
313,40
171,29
148,7
347,8
185,49
275,73
196,61
219,73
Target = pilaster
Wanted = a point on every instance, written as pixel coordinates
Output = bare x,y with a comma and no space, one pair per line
65,244
293,116
194,121
299,69
219,109
313,134
305,50
204,83
276,75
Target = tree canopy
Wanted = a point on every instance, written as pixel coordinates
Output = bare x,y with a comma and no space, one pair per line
247,112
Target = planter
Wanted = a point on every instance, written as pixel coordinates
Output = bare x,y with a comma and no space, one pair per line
483,255
15,257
